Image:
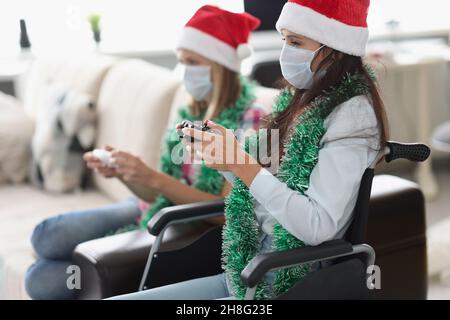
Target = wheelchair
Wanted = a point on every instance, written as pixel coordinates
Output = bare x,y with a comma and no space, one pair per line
348,273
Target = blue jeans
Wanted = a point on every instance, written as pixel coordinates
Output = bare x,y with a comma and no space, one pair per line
208,288
55,238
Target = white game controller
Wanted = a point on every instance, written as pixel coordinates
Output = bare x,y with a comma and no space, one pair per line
104,156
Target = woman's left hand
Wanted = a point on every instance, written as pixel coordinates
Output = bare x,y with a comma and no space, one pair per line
218,147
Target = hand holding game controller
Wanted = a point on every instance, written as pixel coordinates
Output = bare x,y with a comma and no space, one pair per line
104,156
218,147
95,163
189,124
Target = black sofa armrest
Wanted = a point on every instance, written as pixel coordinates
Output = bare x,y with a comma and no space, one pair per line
395,200
185,212
111,265
261,264
114,265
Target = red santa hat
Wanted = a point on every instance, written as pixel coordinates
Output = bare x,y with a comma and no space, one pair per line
338,24
219,35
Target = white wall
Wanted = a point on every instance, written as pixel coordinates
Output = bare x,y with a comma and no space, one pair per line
127,24
150,25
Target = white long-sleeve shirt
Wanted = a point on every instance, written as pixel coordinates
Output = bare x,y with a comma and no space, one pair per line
349,146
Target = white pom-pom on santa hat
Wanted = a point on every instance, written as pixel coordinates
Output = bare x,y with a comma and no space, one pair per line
244,50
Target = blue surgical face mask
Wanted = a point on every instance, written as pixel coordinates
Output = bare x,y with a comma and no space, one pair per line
197,80
296,66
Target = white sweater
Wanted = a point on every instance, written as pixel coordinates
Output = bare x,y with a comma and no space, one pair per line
349,146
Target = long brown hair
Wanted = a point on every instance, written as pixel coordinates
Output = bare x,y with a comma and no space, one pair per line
226,91
336,64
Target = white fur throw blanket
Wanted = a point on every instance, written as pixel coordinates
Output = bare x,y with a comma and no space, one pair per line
65,129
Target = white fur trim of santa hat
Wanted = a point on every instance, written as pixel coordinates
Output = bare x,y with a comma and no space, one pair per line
211,48
330,32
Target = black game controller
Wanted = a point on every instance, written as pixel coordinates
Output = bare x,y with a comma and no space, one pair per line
189,124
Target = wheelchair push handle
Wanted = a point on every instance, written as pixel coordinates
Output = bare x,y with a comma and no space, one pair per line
412,151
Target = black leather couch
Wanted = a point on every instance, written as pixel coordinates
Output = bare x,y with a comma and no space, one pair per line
396,230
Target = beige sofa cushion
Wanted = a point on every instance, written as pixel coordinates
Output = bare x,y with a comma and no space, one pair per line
83,74
133,111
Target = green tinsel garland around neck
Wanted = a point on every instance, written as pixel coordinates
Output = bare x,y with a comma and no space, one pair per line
242,232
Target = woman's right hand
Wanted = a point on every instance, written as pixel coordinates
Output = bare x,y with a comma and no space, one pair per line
95,164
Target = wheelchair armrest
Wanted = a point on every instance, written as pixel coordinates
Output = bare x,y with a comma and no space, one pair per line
261,264
417,152
184,213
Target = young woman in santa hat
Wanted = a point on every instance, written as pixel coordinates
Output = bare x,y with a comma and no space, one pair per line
331,125
212,46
